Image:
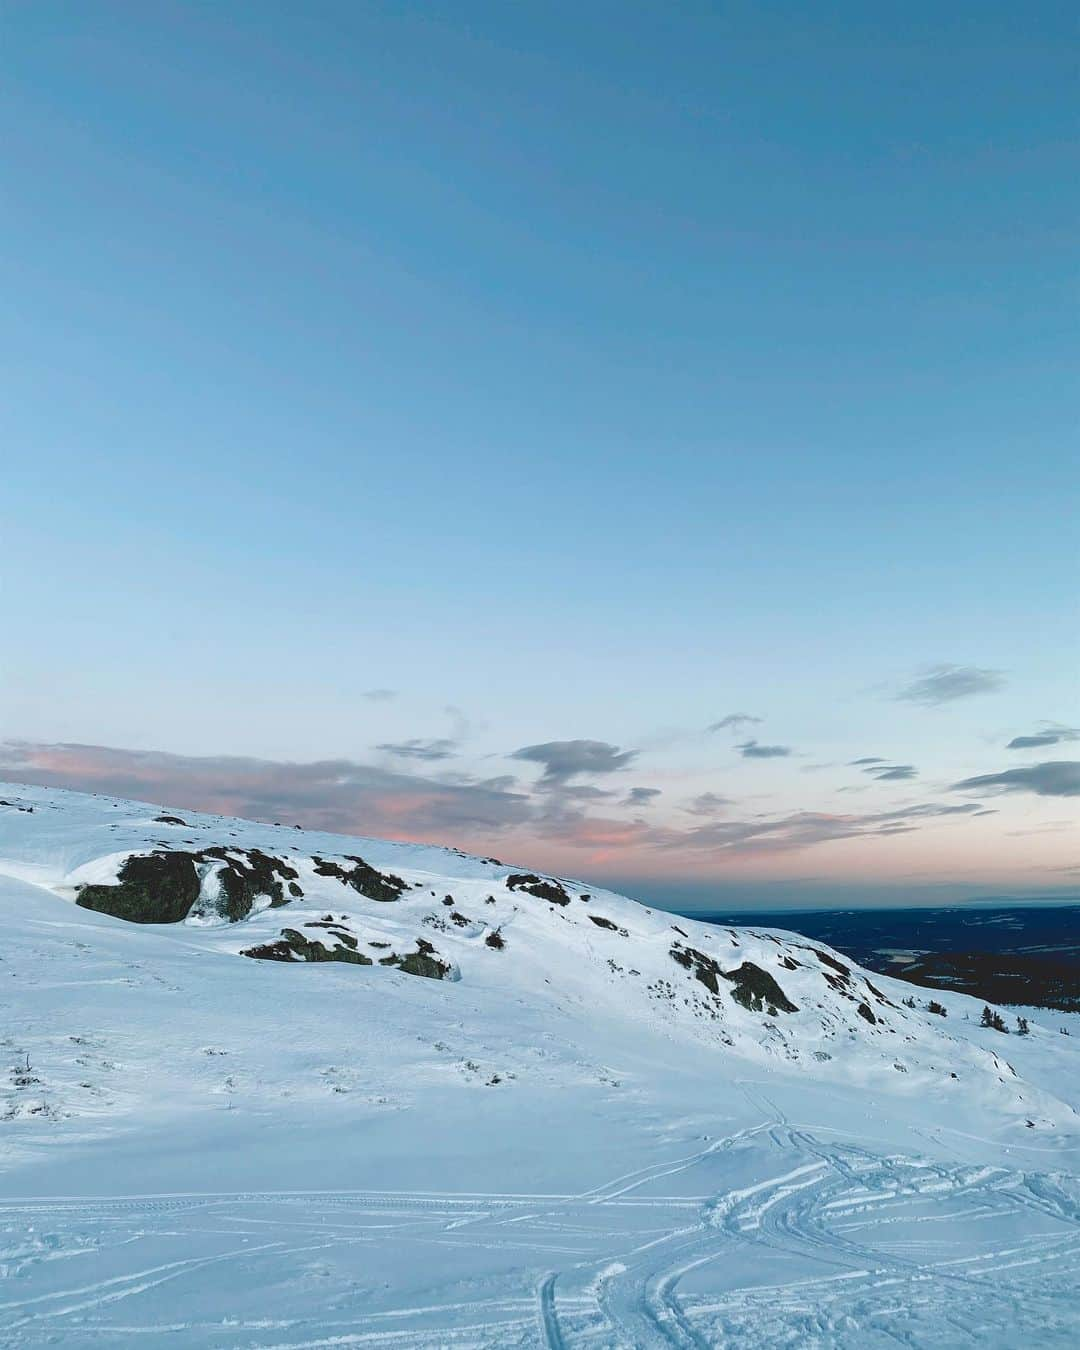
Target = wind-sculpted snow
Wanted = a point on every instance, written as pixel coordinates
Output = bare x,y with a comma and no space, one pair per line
598,1126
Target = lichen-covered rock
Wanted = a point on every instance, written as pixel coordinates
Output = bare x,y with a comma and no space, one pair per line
247,875
295,946
167,885
363,878
150,888
424,961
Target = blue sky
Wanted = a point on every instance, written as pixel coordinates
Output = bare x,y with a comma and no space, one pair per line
580,374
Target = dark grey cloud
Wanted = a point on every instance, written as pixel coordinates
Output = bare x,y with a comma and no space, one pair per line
336,794
563,760
735,722
379,695
707,804
752,750
866,759
420,749
1052,735
641,796
891,773
946,684
1054,778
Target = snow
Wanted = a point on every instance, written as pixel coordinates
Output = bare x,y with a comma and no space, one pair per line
573,1142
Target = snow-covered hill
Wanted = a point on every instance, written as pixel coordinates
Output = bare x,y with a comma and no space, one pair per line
436,1099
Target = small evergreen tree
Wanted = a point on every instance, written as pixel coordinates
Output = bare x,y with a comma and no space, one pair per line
993,1020
937,1008
909,1003
1022,1028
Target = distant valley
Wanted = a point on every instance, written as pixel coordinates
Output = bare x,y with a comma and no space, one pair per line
1026,955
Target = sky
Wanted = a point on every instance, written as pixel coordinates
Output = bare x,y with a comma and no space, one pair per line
635,440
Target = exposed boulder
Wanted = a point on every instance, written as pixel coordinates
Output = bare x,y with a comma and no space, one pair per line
166,885
424,961
294,946
152,888
753,988
543,888
363,878
756,990
247,875
703,967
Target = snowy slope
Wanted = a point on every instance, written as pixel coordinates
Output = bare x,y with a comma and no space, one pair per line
489,1108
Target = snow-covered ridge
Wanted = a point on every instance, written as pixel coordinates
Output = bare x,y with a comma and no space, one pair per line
282,894
601,1125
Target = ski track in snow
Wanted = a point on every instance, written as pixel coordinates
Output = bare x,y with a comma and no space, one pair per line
802,1257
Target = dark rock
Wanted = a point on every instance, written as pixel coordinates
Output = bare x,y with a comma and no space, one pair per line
424,961
755,988
704,967
162,887
601,922
308,949
364,879
543,889
247,875
272,951
155,888
831,961
294,946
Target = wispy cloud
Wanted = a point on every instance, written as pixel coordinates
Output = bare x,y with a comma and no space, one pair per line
804,829
641,796
735,722
947,683
752,750
420,749
891,773
1054,778
379,695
